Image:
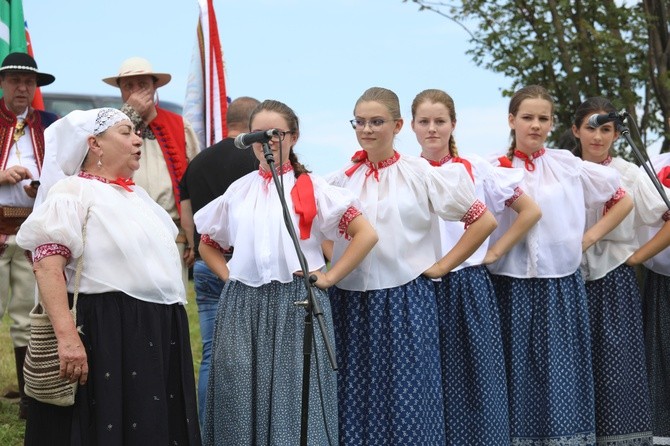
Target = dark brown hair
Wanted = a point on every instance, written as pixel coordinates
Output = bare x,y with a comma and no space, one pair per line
587,108
293,126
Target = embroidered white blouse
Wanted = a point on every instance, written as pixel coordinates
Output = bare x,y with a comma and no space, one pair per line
613,249
249,217
497,187
660,263
129,239
401,205
565,188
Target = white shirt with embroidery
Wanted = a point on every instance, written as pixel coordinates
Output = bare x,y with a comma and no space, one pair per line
249,217
615,248
565,188
660,263
129,239
21,153
493,186
401,206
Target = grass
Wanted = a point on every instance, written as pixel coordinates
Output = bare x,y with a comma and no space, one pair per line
11,428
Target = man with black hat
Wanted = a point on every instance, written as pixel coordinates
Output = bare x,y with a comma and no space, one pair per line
21,157
168,142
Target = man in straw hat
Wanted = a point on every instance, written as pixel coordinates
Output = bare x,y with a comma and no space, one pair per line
21,158
169,142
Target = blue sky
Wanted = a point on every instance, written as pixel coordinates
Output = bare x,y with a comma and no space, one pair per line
317,57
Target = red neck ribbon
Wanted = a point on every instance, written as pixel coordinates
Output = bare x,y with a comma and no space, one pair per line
304,204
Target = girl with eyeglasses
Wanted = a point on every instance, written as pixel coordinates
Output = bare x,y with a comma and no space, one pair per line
384,311
540,290
255,380
473,368
615,307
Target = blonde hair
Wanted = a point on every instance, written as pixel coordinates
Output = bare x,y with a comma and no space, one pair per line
383,96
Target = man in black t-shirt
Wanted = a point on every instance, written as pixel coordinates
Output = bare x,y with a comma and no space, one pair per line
207,177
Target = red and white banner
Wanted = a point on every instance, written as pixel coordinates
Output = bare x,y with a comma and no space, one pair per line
206,102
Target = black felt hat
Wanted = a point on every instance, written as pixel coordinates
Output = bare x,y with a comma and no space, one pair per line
24,62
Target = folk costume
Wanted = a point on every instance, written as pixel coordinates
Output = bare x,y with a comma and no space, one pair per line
656,318
385,312
473,366
130,310
615,309
543,303
255,378
21,144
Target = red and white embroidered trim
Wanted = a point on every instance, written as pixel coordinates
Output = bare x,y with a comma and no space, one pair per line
618,195
517,193
666,216
51,249
284,168
346,219
204,238
475,211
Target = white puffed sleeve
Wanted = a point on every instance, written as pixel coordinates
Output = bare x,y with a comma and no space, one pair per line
212,220
602,185
649,205
58,220
500,185
333,203
452,193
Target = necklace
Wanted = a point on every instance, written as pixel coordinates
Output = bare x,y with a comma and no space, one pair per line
19,131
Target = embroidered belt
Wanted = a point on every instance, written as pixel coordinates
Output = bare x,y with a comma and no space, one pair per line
11,219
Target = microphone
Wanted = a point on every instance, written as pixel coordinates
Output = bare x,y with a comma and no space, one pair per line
244,140
598,120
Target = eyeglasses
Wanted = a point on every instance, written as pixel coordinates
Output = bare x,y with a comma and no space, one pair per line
375,124
279,136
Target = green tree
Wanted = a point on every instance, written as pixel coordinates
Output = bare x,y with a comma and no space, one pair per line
576,49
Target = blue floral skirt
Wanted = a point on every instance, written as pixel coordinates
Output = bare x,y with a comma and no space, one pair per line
389,380
473,364
546,337
255,380
656,311
620,375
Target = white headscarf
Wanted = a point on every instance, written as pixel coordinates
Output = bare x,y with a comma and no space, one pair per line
66,144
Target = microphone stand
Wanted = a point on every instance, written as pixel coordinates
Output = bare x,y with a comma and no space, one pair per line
648,168
311,305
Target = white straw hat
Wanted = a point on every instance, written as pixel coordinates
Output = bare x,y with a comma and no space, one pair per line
137,66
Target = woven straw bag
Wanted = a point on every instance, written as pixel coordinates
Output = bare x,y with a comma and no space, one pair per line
42,365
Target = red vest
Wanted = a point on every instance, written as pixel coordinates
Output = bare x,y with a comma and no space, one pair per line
168,128
35,126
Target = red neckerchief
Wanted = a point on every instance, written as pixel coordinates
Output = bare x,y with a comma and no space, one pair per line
505,162
361,157
664,176
453,159
8,124
304,204
168,128
607,161
528,159
119,181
